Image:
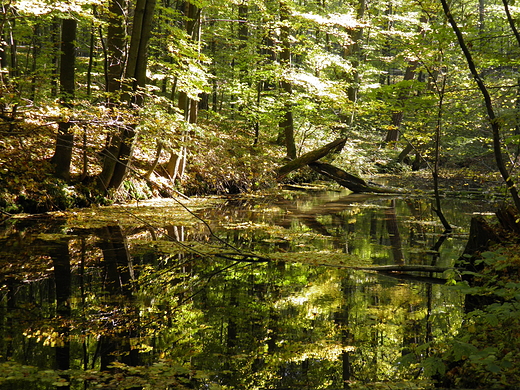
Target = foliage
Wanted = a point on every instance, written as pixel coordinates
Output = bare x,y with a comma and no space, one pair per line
231,66
214,96
197,313
484,351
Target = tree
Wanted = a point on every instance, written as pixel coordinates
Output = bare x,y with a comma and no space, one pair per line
65,139
492,117
131,90
287,122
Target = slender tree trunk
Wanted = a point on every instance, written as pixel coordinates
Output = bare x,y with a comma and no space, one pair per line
92,42
55,38
65,139
3,44
512,25
494,121
13,46
481,16
435,173
189,107
353,52
287,123
397,117
36,49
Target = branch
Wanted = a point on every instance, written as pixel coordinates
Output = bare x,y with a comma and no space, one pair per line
404,268
495,124
309,157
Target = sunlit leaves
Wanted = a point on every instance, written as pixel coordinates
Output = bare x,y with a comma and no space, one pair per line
42,7
337,25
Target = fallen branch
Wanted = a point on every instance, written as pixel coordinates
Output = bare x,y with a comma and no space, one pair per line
309,157
404,268
353,183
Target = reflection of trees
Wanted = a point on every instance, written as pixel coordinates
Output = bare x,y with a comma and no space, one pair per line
394,234
342,318
264,325
59,252
122,321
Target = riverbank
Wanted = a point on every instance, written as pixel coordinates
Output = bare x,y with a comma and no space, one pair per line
221,162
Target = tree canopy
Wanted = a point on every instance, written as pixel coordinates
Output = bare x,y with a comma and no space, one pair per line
210,96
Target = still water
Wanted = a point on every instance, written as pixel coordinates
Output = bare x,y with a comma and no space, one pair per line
245,293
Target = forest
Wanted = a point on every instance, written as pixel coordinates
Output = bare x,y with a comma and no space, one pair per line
107,103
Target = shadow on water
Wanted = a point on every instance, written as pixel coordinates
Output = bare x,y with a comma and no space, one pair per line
136,306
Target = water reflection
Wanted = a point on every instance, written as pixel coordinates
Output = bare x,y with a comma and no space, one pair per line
147,307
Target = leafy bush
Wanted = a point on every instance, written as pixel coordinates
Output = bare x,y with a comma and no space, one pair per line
485,352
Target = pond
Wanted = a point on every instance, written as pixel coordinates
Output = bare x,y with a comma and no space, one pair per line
253,292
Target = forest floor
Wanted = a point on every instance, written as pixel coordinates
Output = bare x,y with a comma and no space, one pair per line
223,162
451,180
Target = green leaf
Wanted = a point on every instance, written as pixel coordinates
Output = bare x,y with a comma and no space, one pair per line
434,365
492,367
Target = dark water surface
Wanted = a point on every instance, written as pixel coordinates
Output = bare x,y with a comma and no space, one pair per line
256,294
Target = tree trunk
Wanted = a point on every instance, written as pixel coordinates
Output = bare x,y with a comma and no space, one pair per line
36,49
189,107
310,157
121,147
91,51
353,52
65,139
353,183
55,38
494,121
435,173
115,46
287,122
397,117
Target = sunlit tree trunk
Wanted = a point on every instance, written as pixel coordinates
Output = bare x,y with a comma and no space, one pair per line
65,139
353,52
287,122
393,132
9,58
178,157
91,53
36,49
3,43
118,155
13,52
55,57
114,65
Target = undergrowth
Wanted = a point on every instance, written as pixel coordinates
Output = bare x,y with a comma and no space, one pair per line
485,352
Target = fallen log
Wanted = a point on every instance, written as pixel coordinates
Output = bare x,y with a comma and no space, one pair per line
310,157
414,278
404,268
353,183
